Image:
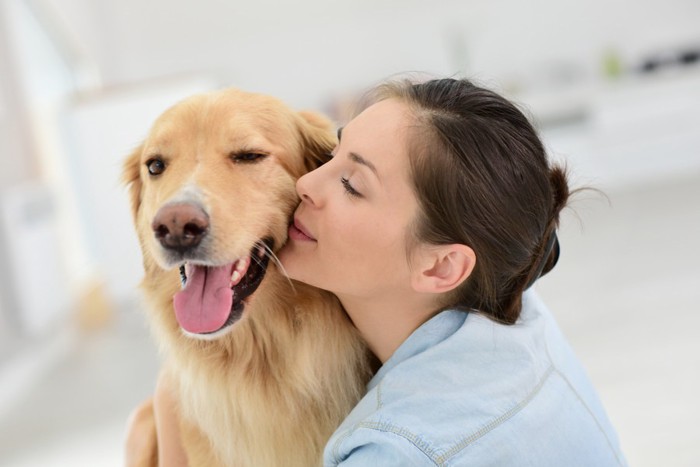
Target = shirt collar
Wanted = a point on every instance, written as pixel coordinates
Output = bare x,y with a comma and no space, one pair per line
432,332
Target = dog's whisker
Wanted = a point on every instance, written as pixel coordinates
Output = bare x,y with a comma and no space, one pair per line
271,254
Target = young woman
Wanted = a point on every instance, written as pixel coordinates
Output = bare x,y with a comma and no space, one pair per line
435,215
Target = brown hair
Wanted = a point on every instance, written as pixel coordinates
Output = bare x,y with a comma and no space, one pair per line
482,179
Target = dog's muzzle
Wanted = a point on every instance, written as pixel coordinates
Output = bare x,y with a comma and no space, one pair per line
213,294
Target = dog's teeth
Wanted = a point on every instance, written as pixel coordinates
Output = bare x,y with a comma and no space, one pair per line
239,270
235,278
243,264
261,251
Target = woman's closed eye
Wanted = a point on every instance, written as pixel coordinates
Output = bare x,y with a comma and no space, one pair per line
349,189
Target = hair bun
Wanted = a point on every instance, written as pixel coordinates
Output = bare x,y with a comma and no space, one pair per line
560,190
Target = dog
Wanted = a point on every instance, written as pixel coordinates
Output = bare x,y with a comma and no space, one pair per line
264,368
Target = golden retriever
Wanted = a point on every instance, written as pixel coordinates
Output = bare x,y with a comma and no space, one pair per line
265,368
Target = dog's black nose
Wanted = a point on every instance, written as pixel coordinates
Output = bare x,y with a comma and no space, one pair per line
180,226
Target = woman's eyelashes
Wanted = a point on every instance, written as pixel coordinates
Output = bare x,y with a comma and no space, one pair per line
349,188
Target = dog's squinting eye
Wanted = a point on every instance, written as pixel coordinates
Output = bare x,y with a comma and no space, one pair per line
247,157
155,166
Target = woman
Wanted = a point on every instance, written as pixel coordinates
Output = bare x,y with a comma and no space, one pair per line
436,213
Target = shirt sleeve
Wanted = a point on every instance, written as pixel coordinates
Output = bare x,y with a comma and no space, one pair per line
376,448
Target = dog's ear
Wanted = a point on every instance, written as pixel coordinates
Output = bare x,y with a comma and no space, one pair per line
131,177
319,137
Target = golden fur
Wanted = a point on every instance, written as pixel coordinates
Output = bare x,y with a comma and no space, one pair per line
272,390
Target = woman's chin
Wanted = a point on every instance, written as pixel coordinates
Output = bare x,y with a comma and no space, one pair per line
288,263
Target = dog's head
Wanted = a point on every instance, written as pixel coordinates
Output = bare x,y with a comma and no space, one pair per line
212,190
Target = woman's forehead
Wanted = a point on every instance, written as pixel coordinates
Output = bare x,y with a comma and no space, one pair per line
380,131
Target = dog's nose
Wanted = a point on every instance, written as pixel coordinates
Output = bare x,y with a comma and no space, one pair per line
180,226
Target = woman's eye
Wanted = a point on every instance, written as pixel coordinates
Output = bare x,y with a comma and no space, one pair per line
247,157
349,188
155,166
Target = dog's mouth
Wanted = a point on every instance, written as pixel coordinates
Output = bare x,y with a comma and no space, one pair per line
213,297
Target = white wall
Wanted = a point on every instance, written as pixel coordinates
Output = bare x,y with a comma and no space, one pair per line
311,54
307,51
15,165
13,144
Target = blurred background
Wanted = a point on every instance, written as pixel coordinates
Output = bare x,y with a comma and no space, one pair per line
613,86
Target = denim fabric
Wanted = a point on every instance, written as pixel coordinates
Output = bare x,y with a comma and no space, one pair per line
463,390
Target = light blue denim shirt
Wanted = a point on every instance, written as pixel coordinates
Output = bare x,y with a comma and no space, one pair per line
463,390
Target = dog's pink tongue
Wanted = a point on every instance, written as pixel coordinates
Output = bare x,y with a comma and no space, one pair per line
205,303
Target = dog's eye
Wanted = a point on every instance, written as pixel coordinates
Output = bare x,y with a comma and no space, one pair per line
247,157
155,166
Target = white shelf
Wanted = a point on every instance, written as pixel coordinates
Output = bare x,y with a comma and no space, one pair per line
627,132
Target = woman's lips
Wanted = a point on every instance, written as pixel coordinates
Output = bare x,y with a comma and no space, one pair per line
297,231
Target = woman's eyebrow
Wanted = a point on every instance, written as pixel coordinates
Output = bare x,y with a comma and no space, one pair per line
361,160
358,158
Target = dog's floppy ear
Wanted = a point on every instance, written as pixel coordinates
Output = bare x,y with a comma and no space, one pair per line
131,177
319,137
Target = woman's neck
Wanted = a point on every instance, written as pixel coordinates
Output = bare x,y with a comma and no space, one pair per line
386,324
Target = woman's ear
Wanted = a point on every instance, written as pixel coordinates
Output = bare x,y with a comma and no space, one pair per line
131,177
442,268
318,137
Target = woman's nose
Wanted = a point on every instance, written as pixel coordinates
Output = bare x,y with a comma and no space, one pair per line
304,188
312,187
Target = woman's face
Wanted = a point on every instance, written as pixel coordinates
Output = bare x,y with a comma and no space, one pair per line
350,230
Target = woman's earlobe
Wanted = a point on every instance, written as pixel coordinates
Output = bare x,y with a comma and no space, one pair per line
445,268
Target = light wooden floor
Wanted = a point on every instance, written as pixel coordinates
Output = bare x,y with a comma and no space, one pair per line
627,294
